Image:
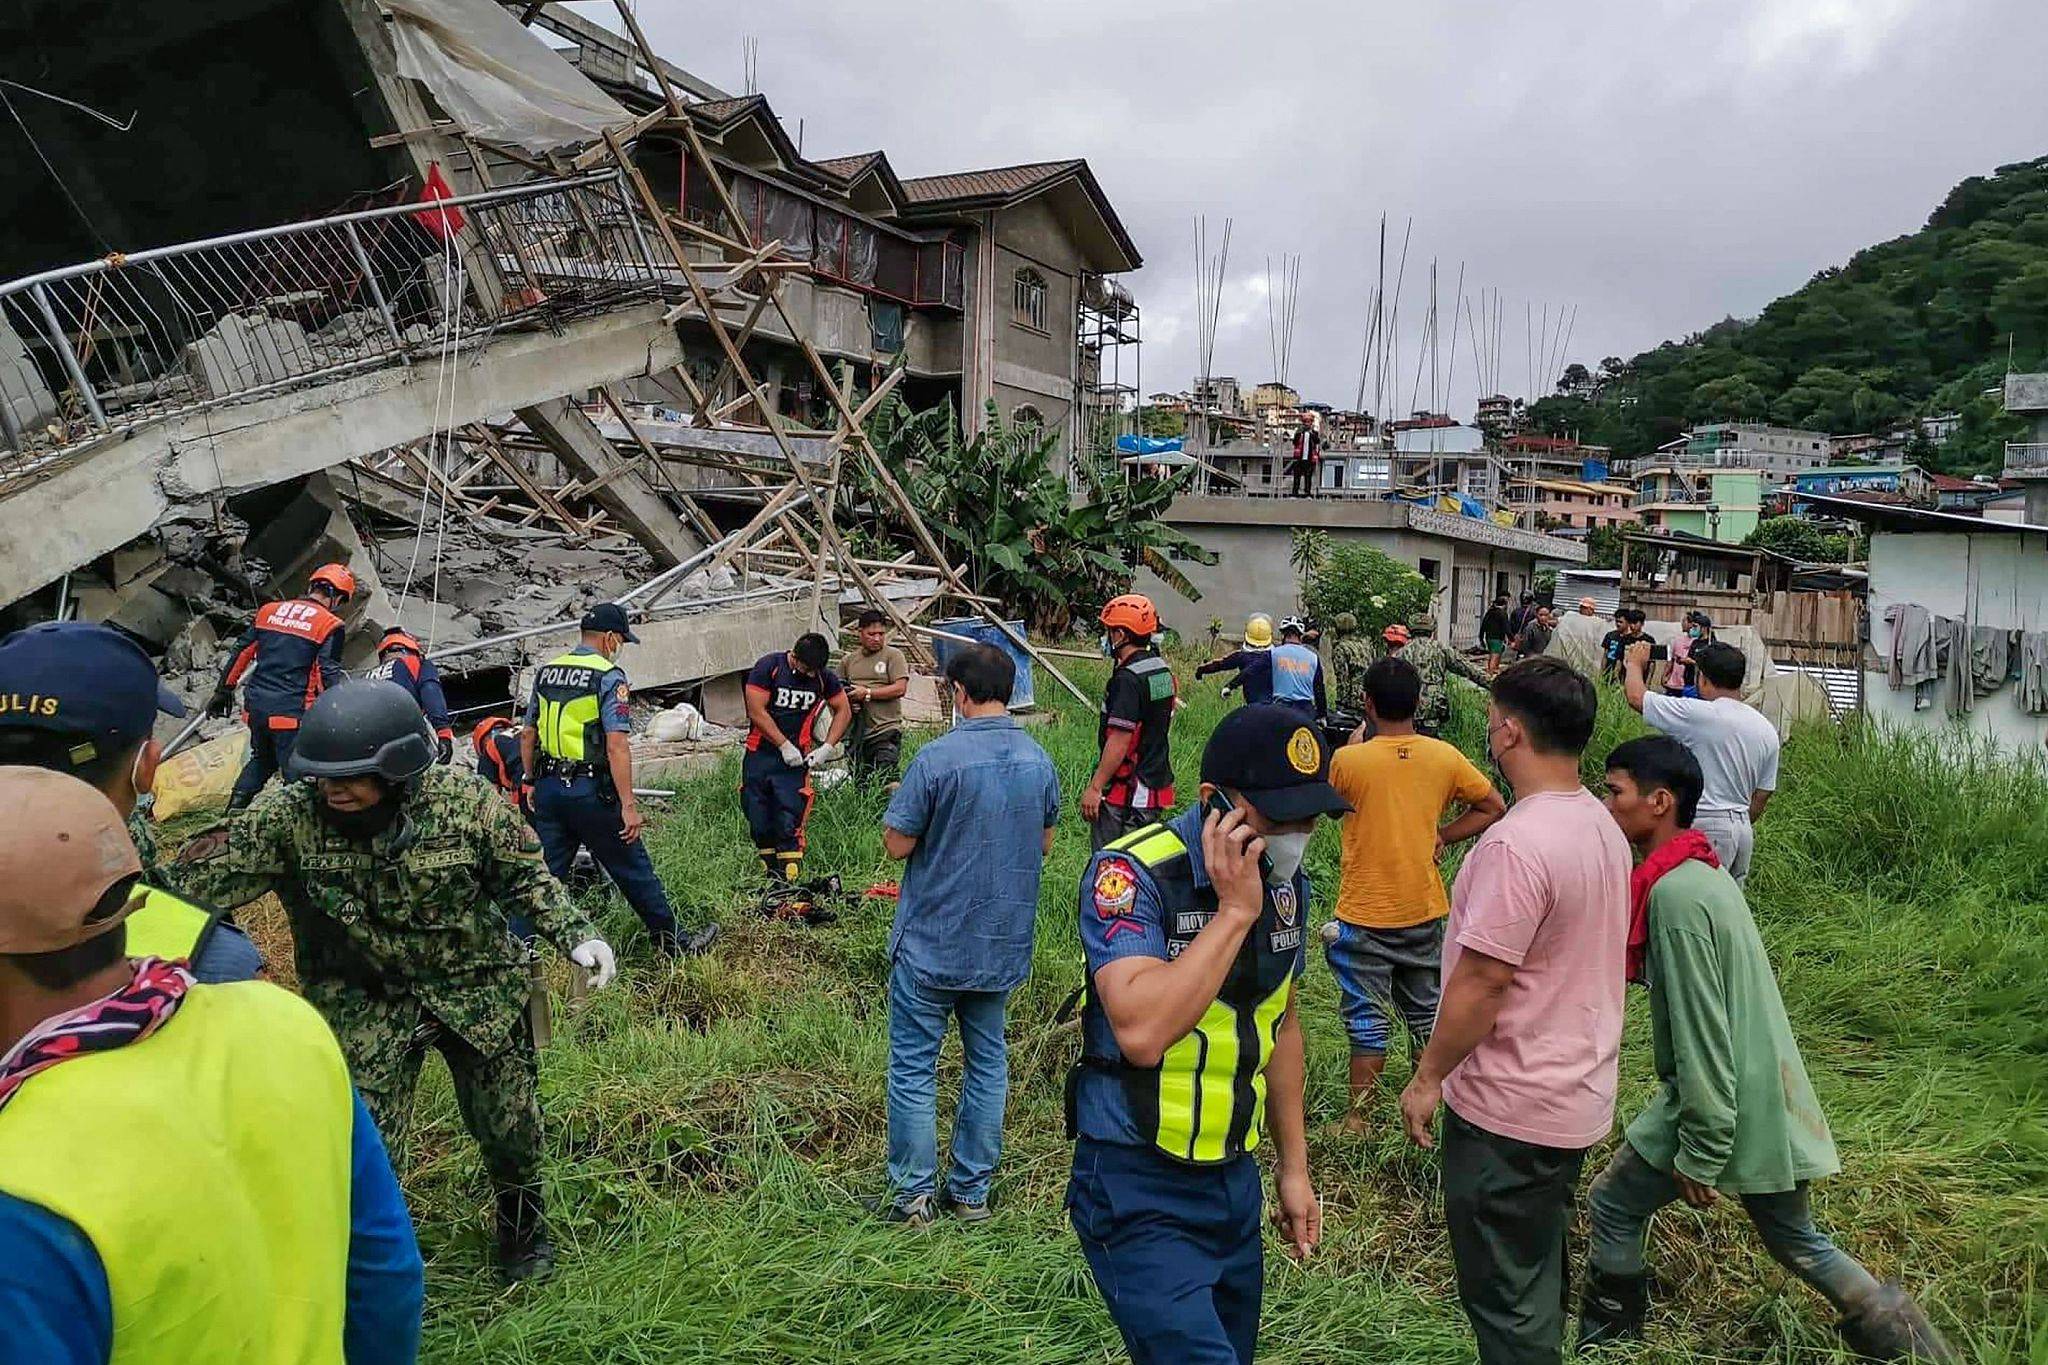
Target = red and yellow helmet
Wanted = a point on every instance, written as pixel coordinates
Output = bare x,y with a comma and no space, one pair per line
335,576
1133,612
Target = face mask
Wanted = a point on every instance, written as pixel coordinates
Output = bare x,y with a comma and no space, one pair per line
361,825
1285,852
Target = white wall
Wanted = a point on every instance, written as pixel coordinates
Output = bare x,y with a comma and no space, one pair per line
1998,580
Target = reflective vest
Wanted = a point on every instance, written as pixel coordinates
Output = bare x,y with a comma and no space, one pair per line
1206,1100
169,927
208,1164
569,717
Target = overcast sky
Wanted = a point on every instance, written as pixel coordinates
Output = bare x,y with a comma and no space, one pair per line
1656,164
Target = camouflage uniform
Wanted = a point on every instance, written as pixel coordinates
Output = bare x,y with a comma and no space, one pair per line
403,944
1349,658
1435,660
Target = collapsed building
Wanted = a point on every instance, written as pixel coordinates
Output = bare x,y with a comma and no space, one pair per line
505,311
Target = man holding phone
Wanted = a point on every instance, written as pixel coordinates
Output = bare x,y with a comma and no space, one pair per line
1194,930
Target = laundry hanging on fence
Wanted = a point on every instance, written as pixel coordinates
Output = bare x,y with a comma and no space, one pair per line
2033,672
1915,658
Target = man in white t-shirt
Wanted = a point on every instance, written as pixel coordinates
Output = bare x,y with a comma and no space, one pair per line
1737,747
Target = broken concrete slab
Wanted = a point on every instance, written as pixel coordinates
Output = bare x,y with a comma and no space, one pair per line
248,349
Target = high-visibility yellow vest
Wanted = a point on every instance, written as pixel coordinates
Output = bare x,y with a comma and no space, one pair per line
209,1165
571,706
168,926
1206,1100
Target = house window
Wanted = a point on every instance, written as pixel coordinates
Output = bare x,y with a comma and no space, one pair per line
1430,568
1025,417
1027,300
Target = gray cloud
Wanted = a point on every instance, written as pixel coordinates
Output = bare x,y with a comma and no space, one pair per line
1657,163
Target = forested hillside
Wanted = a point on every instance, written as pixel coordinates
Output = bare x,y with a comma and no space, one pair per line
1919,325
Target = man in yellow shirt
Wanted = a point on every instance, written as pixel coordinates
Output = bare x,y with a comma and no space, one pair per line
1386,945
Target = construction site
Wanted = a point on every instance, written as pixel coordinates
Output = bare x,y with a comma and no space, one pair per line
506,552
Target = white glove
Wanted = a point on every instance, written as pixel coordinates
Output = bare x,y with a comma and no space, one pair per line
792,755
595,956
823,754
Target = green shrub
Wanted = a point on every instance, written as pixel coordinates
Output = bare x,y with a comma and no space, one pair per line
1376,588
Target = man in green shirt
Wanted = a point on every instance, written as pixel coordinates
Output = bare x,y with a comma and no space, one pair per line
1735,1113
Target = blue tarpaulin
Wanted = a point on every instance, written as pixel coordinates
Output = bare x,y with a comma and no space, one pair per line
1147,445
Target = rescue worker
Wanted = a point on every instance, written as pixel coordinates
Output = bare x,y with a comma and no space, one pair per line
289,654
1298,672
403,660
785,692
1194,933
496,741
399,878
1133,779
577,754
82,699
1253,664
1350,655
185,1173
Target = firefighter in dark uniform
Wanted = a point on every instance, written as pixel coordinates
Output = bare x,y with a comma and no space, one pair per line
496,741
82,699
1133,780
786,692
401,659
579,764
1193,930
289,654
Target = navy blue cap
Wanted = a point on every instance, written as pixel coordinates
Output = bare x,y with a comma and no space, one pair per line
610,618
80,678
1274,756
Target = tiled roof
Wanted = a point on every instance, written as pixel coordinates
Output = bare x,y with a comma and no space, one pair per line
723,111
846,167
998,182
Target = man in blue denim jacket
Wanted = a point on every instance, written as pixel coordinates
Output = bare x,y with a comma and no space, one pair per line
974,818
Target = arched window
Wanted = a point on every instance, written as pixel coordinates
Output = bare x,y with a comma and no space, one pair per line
1026,417
1027,299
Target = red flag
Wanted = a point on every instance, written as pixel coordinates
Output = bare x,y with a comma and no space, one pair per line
443,223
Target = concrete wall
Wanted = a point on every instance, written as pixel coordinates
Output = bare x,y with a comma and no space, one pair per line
1254,574
1030,366
1997,580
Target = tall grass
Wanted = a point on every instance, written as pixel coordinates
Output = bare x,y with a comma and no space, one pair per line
709,1125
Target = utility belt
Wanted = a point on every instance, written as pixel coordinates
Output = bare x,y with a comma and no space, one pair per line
569,772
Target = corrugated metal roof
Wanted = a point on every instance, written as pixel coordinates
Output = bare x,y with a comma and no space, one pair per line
992,183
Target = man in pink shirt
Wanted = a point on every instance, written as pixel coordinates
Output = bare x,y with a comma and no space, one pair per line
1528,1035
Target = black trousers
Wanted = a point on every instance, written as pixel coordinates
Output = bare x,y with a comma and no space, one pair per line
1508,1204
1301,472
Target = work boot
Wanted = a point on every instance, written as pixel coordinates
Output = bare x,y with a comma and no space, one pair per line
1612,1308
1889,1325
524,1249
916,1212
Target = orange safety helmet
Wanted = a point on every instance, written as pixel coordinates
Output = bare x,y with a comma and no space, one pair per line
335,576
398,637
489,726
1132,612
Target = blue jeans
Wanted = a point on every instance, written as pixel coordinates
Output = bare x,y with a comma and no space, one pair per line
1630,1191
917,1026
1174,1250
270,753
576,813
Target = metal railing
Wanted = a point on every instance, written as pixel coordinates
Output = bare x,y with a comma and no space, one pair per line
2024,458
107,344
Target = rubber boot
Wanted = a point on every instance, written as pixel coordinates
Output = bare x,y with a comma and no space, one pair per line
1890,1326
1612,1308
524,1249
770,863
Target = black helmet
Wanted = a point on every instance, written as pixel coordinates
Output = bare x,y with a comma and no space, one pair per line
362,728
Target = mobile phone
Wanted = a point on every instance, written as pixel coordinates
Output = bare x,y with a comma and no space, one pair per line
1659,653
1223,805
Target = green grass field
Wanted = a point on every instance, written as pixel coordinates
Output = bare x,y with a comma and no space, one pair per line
710,1126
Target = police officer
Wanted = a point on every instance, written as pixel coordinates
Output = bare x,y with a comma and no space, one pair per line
1350,655
1298,671
400,878
185,1173
1193,931
401,659
578,757
1133,779
1252,665
289,654
786,692
82,699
